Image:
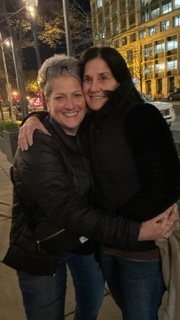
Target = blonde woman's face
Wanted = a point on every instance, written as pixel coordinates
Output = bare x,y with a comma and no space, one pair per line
96,80
66,103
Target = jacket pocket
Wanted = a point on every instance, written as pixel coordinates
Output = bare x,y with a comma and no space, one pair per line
58,242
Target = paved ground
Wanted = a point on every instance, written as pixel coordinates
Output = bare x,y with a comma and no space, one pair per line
10,298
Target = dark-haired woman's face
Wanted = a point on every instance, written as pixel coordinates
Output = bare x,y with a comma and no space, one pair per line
96,80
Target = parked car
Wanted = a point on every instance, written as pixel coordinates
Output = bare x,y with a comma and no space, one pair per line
174,96
166,108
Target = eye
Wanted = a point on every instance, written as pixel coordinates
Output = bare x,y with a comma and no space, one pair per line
59,98
78,94
86,79
103,77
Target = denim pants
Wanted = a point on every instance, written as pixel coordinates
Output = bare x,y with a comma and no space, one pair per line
44,296
136,286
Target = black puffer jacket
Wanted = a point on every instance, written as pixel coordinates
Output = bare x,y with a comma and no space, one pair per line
52,190
54,164
135,164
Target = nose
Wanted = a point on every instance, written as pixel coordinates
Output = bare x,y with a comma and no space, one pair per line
70,104
93,85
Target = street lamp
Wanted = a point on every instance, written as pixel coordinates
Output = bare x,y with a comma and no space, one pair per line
67,28
19,80
8,85
31,6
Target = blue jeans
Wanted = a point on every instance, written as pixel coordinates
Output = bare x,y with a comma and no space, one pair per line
136,286
44,296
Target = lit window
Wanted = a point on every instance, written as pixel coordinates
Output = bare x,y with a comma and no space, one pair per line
176,21
99,3
176,4
148,68
155,12
164,25
142,34
172,65
167,8
152,30
172,43
148,50
159,47
159,67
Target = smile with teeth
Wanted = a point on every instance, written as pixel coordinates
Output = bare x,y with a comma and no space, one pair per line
97,97
70,114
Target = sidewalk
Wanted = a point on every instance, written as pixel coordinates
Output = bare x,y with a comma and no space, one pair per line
10,298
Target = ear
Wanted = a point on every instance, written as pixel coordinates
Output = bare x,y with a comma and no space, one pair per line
47,102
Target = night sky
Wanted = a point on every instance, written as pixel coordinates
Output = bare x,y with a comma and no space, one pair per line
45,52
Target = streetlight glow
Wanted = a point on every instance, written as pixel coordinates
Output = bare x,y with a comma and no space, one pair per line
31,6
31,10
9,42
8,85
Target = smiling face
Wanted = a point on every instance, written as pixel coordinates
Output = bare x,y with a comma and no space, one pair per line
96,80
66,103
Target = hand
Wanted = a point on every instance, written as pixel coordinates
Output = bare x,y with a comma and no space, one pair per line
25,137
159,227
173,222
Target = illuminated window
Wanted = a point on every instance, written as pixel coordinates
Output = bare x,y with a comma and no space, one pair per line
142,34
167,8
148,50
159,66
99,3
155,13
176,21
171,65
152,30
176,4
164,25
172,43
159,47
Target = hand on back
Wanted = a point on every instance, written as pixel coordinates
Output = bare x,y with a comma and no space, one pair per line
159,227
25,137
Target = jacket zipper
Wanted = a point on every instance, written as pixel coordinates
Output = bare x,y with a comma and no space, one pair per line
49,237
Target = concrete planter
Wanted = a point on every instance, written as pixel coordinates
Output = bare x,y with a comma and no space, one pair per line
10,143
2,144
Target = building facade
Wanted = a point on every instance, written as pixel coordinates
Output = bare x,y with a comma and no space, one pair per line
147,34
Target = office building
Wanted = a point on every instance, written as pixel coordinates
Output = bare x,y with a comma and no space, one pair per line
147,34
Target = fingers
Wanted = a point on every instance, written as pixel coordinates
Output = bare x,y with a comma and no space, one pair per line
161,226
175,211
151,230
162,216
25,137
171,213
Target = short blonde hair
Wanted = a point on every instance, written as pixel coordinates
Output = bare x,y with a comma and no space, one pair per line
54,67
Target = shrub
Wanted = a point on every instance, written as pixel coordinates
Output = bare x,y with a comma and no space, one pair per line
8,125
